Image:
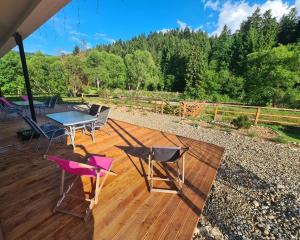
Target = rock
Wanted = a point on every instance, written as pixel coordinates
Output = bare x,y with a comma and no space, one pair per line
256,203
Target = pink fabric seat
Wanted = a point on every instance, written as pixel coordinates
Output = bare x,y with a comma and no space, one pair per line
81,169
5,102
25,98
100,162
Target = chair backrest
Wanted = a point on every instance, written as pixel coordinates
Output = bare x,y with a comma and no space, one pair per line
33,125
53,101
166,154
25,98
94,109
103,114
47,102
5,102
73,167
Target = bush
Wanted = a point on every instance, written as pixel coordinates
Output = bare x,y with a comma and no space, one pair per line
280,139
241,122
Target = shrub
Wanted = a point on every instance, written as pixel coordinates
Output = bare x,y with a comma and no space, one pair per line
241,122
280,139
252,134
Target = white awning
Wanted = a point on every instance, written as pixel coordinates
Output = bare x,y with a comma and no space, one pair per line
24,17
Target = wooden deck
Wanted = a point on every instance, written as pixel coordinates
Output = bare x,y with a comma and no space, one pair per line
126,210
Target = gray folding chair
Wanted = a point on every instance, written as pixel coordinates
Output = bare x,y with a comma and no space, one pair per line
102,117
164,156
48,131
8,111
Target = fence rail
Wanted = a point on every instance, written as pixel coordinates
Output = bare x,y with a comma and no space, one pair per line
215,111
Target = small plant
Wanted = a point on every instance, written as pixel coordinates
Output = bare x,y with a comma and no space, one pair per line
241,122
252,134
280,139
129,109
227,130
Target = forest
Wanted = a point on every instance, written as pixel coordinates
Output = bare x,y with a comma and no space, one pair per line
259,64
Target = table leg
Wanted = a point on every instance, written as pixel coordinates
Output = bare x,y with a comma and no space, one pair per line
72,136
93,131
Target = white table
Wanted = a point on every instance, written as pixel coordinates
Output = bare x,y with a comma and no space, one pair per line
71,119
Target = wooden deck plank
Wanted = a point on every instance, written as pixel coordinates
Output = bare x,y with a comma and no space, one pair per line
29,187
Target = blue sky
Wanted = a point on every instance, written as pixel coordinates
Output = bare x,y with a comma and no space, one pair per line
90,22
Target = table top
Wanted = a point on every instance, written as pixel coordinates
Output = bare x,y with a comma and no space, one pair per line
71,117
26,103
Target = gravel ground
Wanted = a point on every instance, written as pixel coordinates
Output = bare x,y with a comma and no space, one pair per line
256,194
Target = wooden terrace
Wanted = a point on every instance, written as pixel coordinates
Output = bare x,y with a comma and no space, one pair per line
126,209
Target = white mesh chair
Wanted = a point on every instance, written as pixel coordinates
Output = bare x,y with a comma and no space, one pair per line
167,156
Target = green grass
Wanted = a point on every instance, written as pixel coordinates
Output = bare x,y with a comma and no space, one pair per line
286,133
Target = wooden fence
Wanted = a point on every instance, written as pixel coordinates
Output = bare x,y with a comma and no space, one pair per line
214,111
283,116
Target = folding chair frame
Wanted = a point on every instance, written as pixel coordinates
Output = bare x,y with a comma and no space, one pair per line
93,201
180,173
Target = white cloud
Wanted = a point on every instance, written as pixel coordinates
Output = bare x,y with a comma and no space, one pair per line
77,33
103,36
164,30
182,25
233,14
212,5
75,39
199,28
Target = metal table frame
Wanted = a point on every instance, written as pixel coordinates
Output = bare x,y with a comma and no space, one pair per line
73,125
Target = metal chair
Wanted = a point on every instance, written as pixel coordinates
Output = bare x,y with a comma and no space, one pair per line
97,167
48,131
94,110
52,103
8,110
45,105
164,156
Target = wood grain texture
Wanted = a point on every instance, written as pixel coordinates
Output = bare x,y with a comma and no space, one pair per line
29,187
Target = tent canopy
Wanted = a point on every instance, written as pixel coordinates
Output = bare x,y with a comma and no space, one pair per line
24,17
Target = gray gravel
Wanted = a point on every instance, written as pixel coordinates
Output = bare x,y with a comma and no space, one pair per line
256,194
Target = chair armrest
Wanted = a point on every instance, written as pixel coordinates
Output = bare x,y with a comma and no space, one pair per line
108,172
97,169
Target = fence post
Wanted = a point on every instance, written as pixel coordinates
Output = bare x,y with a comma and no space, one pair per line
184,109
216,112
257,115
162,107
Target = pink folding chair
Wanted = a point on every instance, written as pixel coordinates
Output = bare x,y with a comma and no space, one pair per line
24,98
6,103
97,167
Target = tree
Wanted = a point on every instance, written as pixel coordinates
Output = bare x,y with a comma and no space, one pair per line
11,77
141,69
76,79
257,33
76,50
195,74
105,69
273,75
288,27
221,50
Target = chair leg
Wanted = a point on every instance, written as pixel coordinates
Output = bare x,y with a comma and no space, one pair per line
38,143
48,146
151,182
62,182
97,188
